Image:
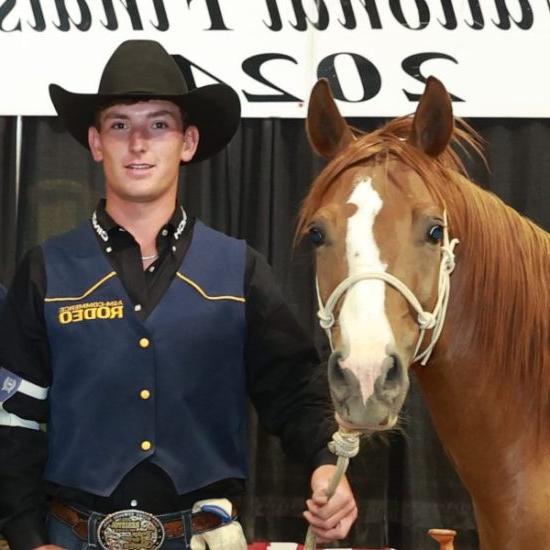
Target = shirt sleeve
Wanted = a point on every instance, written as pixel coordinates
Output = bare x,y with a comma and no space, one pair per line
24,379
287,383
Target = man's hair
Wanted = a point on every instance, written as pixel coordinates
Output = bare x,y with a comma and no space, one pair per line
131,101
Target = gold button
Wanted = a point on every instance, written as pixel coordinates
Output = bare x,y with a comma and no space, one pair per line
144,343
145,394
145,445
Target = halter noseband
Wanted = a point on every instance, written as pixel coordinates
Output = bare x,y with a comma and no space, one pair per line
425,319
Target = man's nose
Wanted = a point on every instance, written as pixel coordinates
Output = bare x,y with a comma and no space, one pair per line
138,140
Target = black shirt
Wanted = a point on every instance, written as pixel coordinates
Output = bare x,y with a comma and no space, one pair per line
285,381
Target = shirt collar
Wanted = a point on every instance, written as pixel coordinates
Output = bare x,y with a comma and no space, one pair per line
104,225
103,219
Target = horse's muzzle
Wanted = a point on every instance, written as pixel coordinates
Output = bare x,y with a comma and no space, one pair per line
381,409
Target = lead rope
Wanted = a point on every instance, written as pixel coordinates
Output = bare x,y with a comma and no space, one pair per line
344,445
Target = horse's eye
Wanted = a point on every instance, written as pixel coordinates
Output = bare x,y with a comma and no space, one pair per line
316,236
435,233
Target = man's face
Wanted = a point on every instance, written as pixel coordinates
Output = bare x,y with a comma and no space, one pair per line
141,146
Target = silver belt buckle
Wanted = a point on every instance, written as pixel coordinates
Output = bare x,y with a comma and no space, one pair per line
130,530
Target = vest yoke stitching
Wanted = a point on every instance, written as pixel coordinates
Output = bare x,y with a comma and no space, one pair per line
87,293
204,294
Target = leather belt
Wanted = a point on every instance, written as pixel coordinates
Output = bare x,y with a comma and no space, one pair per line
173,525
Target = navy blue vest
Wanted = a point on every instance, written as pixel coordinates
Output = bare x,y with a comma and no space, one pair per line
170,389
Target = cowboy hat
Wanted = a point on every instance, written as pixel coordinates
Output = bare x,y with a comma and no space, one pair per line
144,69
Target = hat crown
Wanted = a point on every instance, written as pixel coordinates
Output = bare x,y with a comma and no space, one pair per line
142,67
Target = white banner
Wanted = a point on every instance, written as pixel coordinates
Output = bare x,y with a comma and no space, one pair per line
490,54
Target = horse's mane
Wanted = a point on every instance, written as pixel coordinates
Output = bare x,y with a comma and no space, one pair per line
507,262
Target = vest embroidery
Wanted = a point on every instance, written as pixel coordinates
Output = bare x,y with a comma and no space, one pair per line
91,311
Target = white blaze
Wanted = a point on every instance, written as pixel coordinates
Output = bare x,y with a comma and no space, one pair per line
365,329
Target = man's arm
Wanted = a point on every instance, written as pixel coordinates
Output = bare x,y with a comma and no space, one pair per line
25,375
289,388
286,380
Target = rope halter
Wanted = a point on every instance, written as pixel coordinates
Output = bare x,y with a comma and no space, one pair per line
426,320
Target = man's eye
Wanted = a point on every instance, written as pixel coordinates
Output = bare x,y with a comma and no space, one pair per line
159,125
118,125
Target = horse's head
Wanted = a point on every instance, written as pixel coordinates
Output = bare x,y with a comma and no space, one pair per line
379,233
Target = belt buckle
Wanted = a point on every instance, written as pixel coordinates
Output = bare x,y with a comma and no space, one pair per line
130,530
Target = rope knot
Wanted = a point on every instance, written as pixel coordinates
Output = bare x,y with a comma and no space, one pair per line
344,444
448,262
426,320
326,319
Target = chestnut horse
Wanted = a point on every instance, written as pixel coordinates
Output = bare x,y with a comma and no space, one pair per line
418,267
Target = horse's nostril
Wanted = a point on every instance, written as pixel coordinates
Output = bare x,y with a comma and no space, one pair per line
337,378
392,383
394,372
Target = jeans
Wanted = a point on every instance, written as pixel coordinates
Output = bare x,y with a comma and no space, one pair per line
63,536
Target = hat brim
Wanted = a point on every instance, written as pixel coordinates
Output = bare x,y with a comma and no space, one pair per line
214,109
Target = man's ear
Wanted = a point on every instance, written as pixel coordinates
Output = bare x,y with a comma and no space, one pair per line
94,142
190,143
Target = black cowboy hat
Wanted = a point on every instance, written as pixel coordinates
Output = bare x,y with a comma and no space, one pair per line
144,69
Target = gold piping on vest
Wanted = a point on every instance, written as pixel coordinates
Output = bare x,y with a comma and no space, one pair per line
203,293
87,293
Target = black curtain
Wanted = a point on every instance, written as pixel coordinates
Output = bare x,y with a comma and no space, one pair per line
8,192
403,482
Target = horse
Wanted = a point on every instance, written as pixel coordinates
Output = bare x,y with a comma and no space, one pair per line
419,269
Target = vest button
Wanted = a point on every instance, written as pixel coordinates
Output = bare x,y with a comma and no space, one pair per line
146,445
144,343
145,394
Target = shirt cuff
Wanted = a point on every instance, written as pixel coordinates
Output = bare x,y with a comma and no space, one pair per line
322,457
25,531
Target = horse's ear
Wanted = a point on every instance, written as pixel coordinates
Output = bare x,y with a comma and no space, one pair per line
326,130
432,126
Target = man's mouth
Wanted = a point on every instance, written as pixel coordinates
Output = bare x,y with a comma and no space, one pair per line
139,166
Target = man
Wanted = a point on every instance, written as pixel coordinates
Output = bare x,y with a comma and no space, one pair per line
141,330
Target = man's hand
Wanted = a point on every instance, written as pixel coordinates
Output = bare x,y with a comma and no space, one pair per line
49,547
330,519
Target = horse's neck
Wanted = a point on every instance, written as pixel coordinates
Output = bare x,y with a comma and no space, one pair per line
508,486
492,358
492,453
